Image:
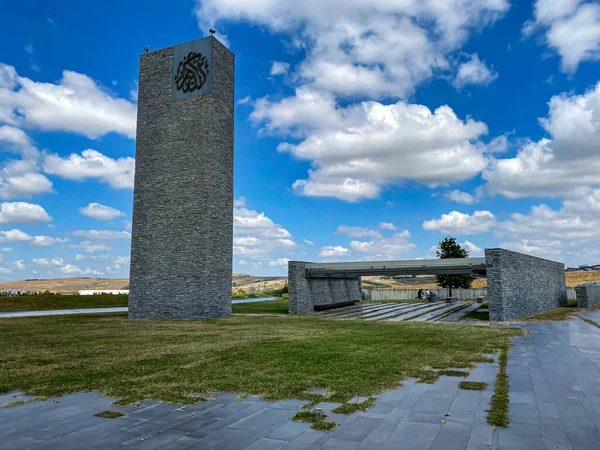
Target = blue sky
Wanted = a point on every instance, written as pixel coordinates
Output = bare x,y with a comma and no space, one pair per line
362,132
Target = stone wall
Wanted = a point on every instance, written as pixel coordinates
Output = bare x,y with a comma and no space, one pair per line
182,232
588,295
307,292
521,285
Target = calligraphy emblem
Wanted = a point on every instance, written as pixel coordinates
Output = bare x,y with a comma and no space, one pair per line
191,72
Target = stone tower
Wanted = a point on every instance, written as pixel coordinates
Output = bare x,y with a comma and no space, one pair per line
182,232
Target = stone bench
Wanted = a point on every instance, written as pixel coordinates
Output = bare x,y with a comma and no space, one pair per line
480,299
451,299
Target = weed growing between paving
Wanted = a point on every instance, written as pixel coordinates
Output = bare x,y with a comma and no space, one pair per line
498,414
473,385
275,357
109,414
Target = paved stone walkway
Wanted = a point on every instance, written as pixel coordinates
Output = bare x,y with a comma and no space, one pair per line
554,404
396,312
61,312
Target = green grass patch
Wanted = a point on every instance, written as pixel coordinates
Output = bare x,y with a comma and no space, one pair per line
473,385
109,414
476,315
325,426
266,307
498,413
317,419
350,408
59,301
557,314
275,357
453,373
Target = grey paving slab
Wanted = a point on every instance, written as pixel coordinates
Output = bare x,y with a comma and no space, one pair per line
431,308
403,310
438,312
62,312
455,316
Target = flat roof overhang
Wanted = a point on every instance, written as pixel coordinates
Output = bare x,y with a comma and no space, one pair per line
451,266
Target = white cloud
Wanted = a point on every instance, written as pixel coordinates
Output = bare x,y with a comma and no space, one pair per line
14,235
571,27
24,186
473,249
15,136
354,48
6,249
358,149
74,104
559,166
102,234
21,212
279,68
357,232
46,262
384,248
256,236
473,71
245,101
79,257
45,241
309,242
333,251
19,265
93,164
91,247
100,212
464,197
19,178
387,226
375,50
280,262
73,269
29,49
460,223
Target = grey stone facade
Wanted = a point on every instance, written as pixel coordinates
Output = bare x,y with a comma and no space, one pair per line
182,236
521,285
307,292
588,295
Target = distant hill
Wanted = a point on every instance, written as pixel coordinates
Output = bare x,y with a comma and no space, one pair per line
69,285
245,282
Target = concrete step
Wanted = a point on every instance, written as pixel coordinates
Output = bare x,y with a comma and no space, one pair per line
458,314
432,307
437,313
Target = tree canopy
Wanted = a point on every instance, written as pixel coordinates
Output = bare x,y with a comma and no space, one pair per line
449,248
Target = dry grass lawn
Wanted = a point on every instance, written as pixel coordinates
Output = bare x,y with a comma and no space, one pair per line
276,357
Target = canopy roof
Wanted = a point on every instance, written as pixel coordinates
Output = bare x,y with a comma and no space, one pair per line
450,266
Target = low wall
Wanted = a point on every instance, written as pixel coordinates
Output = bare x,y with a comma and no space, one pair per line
306,293
103,291
521,285
410,294
588,295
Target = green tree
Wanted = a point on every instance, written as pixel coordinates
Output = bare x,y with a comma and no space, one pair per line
449,248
